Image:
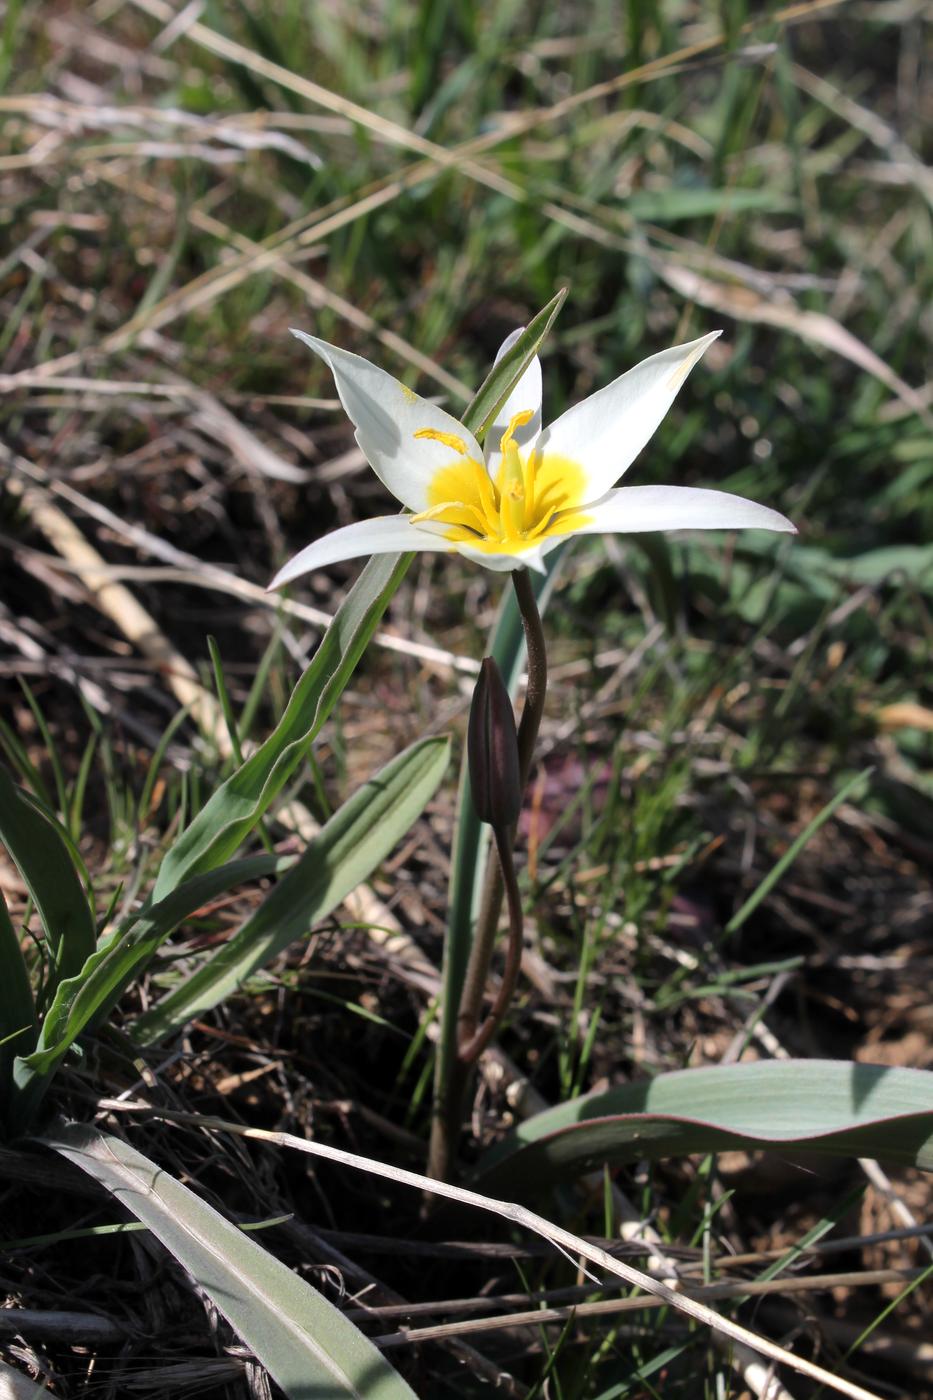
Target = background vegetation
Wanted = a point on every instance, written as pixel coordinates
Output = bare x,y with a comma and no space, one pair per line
178,186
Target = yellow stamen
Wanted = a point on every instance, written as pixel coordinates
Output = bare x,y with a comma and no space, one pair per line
454,508
450,440
531,498
518,420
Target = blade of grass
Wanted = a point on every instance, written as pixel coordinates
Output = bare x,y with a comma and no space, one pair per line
854,785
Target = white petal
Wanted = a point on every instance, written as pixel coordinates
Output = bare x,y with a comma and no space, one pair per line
632,510
504,563
606,432
526,395
386,416
385,534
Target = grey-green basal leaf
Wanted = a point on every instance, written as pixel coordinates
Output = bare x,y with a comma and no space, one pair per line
824,1106
308,1347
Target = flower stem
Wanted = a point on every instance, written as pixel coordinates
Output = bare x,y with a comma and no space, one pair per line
469,1051
449,1115
484,938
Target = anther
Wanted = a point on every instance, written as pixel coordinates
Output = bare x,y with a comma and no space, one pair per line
450,440
518,420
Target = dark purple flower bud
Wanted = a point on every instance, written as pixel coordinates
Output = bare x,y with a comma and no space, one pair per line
492,751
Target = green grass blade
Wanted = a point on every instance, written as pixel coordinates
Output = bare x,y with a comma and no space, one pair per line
345,851
826,1106
854,785
23,766
306,1345
49,747
83,1001
223,696
155,764
74,813
42,857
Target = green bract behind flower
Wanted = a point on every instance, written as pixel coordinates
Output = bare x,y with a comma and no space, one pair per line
533,487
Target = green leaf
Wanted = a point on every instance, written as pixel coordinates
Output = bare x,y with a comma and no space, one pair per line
502,378
82,1001
826,1106
17,1009
41,855
343,853
307,1346
237,805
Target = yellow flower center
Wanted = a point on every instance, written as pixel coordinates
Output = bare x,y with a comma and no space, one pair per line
530,499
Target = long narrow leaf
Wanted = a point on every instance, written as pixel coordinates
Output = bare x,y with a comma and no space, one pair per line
42,858
236,806
344,852
828,1106
17,1009
81,1002
309,1348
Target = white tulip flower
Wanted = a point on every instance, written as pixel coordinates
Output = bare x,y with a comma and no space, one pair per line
533,487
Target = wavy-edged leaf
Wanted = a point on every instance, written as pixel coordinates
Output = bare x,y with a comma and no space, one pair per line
343,853
309,1348
41,855
826,1106
82,1001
